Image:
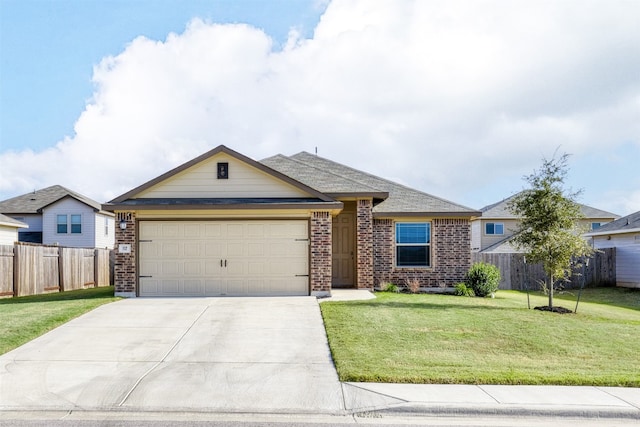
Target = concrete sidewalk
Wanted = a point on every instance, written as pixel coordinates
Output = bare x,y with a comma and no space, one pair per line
456,400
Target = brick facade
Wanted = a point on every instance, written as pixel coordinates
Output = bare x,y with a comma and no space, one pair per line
321,252
450,254
125,276
364,244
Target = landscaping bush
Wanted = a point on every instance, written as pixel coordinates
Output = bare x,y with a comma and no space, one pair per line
483,278
390,287
463,290
413,285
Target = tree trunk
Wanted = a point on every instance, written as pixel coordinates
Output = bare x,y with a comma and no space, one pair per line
551,292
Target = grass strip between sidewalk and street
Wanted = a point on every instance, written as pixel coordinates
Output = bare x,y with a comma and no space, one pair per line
25,318
445,339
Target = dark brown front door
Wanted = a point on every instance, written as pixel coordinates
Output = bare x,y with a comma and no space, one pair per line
343,260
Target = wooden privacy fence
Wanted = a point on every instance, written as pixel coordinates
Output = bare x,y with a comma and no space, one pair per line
27,269
518,275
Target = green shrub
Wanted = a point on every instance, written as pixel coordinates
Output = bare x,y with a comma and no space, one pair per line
390,287
463,290
483,279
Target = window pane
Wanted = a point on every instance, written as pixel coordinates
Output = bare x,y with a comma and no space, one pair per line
489,228
499,228
412,233
412,256
76,224
61,224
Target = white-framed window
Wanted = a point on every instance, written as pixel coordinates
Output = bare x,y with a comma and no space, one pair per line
106,226
494,228
413,244
61,224
595,225
76,224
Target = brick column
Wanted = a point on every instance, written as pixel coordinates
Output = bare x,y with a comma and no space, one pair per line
320,247
364,242
383,250
125,279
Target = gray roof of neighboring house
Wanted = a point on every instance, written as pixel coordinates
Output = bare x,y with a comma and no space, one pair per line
336,179
7,220
503,246
629,223
34,202
501,210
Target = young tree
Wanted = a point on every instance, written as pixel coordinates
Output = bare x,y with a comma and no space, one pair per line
549,230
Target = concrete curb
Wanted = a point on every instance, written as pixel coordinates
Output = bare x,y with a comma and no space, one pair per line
426,410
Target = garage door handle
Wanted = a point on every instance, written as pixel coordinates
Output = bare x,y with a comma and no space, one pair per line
143,277
302,275
220,263
225,262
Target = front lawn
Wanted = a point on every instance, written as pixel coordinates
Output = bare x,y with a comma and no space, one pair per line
458,340
25,318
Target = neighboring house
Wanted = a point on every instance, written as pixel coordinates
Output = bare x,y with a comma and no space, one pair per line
492,232
624,235
224,224
57,215
9,229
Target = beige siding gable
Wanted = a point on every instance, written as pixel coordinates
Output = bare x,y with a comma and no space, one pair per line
201,181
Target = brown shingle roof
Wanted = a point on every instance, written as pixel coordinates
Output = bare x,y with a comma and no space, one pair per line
332,177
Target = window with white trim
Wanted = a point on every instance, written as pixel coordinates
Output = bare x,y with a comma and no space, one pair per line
494,228
76,224
413,244
61,224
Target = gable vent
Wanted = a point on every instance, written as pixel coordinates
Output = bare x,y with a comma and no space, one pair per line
223,170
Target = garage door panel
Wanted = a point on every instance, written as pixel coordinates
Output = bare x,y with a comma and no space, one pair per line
193,268
170,230
193,287
169,249
213,249
170,287
192,230
231,258
192,250
170,268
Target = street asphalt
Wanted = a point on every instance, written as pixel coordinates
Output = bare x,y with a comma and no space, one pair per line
240,356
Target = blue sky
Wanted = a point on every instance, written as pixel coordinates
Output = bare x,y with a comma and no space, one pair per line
49,48
459,99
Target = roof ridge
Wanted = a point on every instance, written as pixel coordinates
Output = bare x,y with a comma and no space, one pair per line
387,181
328,171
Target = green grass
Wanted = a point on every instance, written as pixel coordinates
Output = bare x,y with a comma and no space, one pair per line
459,340
25,318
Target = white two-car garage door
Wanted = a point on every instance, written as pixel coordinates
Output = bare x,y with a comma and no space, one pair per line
224,258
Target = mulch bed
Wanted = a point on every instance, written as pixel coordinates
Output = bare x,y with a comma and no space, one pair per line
560,310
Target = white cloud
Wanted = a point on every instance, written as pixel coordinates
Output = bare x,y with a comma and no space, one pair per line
454,98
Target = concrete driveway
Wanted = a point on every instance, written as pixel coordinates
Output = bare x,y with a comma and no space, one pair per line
186,354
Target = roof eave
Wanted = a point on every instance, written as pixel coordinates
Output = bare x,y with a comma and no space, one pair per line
113,207
382,195
607,233
471,214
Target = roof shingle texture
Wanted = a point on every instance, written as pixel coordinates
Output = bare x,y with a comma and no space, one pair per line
629,222
501,210
32,203
328,176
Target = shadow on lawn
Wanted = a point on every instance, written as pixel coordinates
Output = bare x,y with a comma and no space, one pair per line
425,305
91,293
